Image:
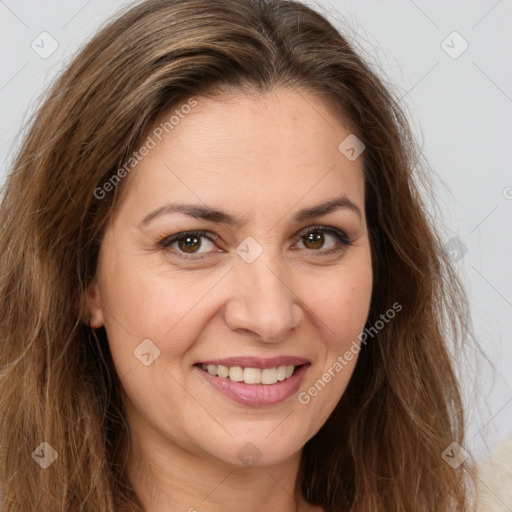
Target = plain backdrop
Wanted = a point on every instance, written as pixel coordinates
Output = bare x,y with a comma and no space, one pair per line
450,62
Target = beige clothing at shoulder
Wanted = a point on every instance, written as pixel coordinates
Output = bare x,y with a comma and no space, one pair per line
495,480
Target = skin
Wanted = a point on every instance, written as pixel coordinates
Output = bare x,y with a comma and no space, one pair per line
261,158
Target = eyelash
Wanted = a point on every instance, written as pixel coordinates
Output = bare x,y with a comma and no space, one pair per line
340,235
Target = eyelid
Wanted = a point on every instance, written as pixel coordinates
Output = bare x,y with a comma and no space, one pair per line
326,229
342,237
169,240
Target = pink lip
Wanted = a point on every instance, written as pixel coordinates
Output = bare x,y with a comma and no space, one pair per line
257,362
256,395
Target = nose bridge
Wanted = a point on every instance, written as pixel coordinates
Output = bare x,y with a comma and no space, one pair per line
262,299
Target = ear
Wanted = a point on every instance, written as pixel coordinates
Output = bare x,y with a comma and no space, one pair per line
93,306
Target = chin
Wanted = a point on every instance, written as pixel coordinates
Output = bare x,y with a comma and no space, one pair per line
253,451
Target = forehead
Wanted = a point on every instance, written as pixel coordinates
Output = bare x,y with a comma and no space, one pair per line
278,146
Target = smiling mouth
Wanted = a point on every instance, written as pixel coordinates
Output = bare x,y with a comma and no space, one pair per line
267,376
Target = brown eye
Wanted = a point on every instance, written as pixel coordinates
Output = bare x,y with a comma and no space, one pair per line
190,244
314,240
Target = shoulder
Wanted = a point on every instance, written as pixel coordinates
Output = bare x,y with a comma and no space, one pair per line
495,480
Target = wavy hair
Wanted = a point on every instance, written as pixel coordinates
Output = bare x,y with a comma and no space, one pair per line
381,449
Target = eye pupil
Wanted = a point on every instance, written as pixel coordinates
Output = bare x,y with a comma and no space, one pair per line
317,239
187,243
191,243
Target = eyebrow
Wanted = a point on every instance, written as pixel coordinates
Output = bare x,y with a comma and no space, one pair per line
213,215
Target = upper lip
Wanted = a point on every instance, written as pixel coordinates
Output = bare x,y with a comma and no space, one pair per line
257,362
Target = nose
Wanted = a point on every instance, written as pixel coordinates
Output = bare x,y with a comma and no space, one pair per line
263,301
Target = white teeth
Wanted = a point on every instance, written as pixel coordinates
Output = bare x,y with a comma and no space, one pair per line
223,371
236,373
250,375
269,376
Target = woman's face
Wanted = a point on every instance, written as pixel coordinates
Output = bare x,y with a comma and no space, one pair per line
253,290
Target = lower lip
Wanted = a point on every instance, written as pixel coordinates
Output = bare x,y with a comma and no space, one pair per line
257,395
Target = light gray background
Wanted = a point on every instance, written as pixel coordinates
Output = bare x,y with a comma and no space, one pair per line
461,111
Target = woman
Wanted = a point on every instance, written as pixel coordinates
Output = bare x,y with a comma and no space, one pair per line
221,290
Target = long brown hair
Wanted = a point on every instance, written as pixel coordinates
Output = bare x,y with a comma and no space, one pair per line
381,449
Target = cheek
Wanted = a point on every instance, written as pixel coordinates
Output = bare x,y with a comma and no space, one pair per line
340,307
150,302
341,303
